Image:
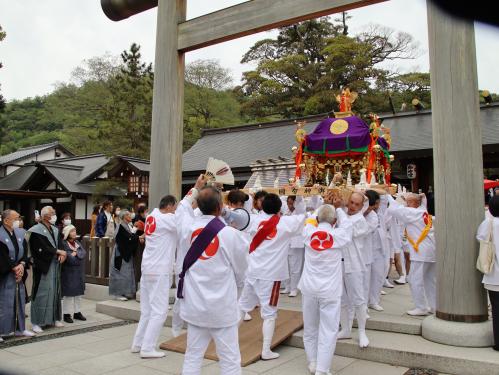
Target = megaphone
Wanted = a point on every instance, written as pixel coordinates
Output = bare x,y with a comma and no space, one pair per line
118,10
238,218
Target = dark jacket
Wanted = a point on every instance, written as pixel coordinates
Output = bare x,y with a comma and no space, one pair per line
73,271
101,225
127,244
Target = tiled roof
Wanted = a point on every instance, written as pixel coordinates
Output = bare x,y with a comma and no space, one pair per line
240,146
26,152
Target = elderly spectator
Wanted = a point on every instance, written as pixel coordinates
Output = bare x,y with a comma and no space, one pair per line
13,263
491,280
48,255
73,275
121,274
105,222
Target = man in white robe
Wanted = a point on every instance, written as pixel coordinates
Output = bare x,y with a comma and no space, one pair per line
209,303
353,301
420,235
268,265
293,205
321,285
381,252
372,220
161,229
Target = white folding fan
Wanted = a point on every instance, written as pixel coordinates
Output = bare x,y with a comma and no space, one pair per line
219,171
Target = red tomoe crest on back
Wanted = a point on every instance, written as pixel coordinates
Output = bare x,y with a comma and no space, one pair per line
272,234
321,241
150,227
212,248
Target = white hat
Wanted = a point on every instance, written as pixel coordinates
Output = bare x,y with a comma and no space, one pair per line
67,229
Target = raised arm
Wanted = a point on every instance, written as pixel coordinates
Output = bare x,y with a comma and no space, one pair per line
405,214
342,234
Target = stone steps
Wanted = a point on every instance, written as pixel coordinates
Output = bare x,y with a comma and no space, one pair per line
392,342
414,351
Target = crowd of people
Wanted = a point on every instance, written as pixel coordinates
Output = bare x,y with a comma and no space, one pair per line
231,257
337,253
54,254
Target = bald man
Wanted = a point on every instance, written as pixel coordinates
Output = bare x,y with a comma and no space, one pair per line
46,250
13,261
421,238
353,301
213,268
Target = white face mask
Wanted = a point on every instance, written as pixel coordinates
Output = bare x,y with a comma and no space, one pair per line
117,213
132,215
53,219
134,229
66,222
16,224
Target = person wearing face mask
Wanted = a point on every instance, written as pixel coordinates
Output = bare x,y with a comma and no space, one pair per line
121,274
48,255
116,216
13,262
66,219
73,275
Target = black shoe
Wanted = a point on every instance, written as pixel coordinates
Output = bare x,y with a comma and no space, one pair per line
79,316
67,318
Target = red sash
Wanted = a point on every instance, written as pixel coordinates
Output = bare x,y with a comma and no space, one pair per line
264,232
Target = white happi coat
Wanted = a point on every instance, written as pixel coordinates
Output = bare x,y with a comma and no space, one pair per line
414,221
210,285
161,233
353,254
322,272
300,209
269,260
372,222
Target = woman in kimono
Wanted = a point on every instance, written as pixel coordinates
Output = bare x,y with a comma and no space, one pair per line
121,274
73,275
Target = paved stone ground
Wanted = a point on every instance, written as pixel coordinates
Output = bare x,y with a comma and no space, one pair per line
106,351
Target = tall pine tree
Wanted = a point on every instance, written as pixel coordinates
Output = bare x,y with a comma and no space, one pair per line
129,116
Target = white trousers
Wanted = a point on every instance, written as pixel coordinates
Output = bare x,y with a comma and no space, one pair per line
177,321
353,289
260,292
226,343
378,276
71,305
295,265
367,281
423,283
321,318
154,296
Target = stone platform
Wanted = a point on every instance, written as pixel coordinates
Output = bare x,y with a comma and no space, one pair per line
395,337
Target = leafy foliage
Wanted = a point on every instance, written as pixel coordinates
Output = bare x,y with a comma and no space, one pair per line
107,104
302,70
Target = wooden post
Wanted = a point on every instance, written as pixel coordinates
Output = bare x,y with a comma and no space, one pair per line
457,153
168,102
458,166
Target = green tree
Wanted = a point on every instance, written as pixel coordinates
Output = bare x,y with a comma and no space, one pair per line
3,123
3,34
128,125
302,70
208,100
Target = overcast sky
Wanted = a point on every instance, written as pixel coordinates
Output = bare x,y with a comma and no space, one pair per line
47,39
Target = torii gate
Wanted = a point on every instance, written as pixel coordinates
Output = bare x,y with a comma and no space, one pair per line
457,140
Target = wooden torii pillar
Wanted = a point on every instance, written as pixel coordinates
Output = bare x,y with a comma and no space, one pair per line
457,163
